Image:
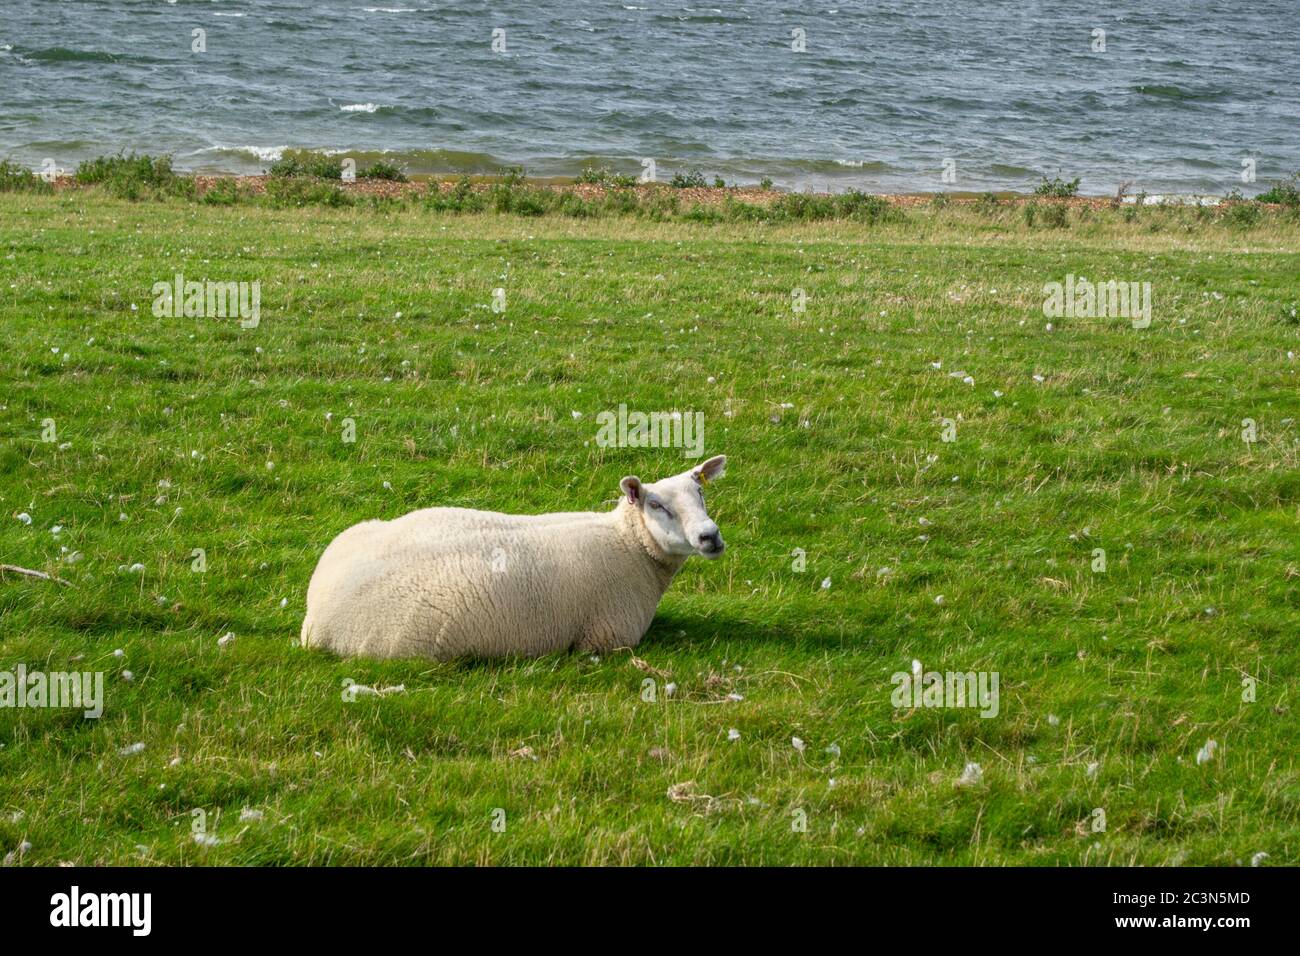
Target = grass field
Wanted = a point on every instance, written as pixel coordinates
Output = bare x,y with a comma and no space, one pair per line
176,434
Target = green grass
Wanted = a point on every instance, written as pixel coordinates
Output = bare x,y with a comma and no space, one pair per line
831,419
19,179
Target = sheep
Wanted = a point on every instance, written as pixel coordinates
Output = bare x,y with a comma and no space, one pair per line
448,583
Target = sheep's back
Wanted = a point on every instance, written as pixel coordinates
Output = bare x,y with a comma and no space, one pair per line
464,584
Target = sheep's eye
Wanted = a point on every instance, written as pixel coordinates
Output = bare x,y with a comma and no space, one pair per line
658,507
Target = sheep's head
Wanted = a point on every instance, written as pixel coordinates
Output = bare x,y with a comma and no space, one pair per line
673,509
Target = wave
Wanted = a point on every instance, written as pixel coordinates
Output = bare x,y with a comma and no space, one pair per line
60,54
705,18
286,25
419,161
1006,170
1170,92
265,154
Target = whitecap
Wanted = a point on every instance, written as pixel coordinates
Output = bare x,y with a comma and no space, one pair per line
267,154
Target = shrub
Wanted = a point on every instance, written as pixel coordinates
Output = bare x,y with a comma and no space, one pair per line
604,176
144,169
621,202
691,180
703,212
1056,217
460,198
803,207
736,211
302,162
1242,215
512,194
661,207
20,179
574,205
382,169
1284,191
856,204
223,192
135,177
1058,188
293,191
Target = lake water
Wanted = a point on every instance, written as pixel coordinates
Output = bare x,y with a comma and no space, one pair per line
885,95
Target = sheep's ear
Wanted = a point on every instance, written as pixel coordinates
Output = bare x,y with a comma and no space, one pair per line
715,467
631,486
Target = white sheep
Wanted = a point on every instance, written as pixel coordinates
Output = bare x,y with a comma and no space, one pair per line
453,582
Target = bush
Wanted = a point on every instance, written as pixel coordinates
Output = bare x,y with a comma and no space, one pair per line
135,177
291,191
1056,217
855,204
1052,216
691,180
661,207
223,192
1058,188
144,170
382,169
604,176
704,212
1284,191
460,198
511,195
20,179
302,162
574,205
1242,215
803,207
621,202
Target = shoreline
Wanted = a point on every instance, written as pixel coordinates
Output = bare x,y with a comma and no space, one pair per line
422,184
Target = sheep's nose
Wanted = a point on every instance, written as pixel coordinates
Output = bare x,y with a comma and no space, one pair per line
711,541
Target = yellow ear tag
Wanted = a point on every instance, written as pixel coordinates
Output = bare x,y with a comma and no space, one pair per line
701,479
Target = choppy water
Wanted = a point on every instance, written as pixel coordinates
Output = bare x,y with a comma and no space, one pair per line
886,91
